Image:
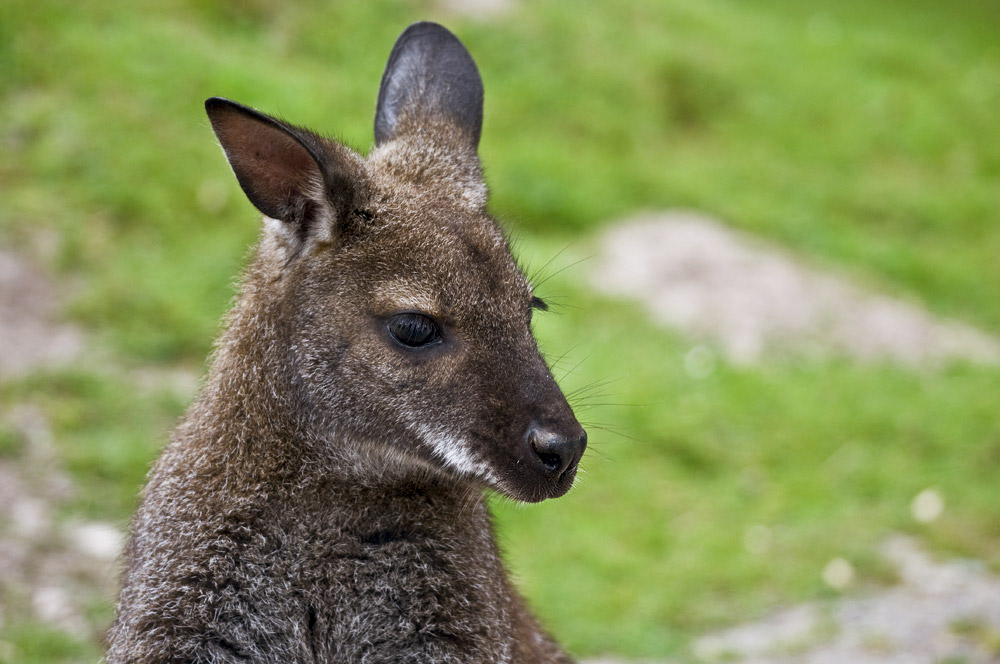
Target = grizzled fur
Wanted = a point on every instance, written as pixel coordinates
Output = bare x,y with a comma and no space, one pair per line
322,500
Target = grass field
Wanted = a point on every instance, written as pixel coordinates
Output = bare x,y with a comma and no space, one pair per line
859,133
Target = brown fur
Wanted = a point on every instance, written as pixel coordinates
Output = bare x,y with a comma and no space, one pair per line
322,500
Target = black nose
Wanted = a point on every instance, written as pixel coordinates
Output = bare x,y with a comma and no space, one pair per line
557,452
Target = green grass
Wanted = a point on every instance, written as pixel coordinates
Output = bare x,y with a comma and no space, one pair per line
858,133
109,430
30,642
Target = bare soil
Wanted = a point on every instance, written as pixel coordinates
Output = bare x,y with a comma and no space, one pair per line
753,301
477,10
51,568
32,333
940,612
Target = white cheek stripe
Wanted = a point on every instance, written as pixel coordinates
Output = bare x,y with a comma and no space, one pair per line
454,453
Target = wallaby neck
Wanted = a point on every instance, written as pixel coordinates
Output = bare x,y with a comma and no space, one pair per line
252,392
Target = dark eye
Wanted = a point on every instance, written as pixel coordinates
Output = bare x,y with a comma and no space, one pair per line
414,330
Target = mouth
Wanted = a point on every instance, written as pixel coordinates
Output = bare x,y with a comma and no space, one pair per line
536,488
561,484
535,475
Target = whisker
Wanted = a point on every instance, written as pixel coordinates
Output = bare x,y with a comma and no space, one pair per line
536,273
589,396
563,356
563,269
557,306
615,433
592,452
577,365
598,384
611,404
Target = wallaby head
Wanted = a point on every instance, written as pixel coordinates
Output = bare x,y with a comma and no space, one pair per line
405,322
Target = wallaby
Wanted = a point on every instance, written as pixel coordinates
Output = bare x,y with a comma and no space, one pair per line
322,501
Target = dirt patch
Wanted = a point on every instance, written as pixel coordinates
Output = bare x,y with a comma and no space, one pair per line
54,568
752,300
478,10
941,612
31,332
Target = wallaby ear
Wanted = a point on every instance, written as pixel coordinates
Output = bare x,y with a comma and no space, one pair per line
283,170
430,74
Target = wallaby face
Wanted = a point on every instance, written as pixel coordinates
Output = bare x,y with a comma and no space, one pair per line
409,321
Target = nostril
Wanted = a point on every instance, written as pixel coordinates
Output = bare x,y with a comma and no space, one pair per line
556,452
552,462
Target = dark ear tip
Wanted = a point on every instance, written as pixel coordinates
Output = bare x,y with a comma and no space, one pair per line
426,27
219,108
213,104
429,32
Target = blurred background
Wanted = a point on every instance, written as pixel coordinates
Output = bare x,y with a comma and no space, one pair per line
769,231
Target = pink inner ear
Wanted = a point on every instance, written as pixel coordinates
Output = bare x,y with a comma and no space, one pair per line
275,171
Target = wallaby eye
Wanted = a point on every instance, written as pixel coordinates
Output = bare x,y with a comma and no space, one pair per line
414,330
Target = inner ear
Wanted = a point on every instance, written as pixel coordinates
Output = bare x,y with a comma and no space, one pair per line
279,172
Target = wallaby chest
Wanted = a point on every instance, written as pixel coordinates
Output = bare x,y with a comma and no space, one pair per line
369,572
399,568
